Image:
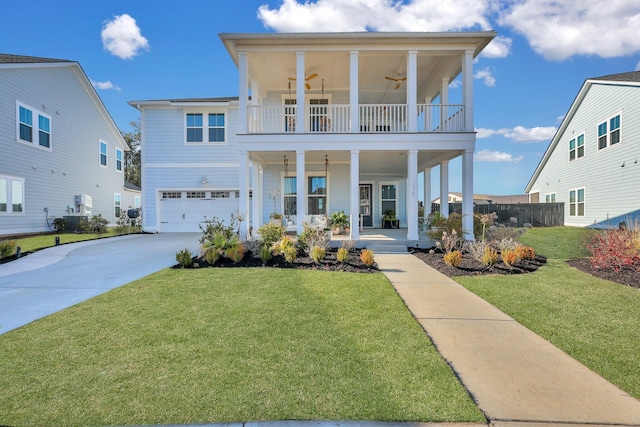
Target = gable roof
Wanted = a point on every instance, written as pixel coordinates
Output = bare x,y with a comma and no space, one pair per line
631,78
22,61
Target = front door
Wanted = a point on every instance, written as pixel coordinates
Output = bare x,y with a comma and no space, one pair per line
365,205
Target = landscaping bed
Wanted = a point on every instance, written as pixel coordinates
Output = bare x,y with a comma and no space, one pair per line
625,276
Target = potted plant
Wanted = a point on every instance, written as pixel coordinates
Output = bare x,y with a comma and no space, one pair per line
339,222
389,219
276,218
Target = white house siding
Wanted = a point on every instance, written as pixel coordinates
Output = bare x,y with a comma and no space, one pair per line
170,164
53,178
611,191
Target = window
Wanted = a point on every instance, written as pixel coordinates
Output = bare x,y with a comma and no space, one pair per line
220,194
576,202
118,159
171,195
137,202
388,198
317,195
103,153
216,127
194,127
289,195
576,147
116,204
609,132
196,194
550,198
11,195
28,117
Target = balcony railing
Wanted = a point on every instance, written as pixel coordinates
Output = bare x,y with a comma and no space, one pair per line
373,118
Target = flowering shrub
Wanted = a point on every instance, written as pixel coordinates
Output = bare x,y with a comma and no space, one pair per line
453,258
615,249
510,257
525,252
489,257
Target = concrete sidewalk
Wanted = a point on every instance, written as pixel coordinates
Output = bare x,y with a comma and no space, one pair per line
515,376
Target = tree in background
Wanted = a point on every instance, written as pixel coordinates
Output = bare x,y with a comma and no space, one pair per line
132,157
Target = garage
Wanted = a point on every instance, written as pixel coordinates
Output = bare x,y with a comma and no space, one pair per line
185,211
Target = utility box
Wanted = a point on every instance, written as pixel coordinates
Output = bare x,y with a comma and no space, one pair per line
84,203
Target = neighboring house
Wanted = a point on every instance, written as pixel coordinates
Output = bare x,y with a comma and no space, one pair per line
593,162
324,122
132,196
61,152
486,199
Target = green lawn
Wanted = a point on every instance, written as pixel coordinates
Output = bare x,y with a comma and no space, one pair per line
216,345
41,241
593,320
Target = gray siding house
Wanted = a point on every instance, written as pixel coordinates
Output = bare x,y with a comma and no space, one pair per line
61,152
592,164
324,122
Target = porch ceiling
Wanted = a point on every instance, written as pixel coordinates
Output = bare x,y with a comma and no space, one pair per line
371,162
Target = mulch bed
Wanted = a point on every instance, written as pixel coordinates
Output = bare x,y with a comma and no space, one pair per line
330,263
625,276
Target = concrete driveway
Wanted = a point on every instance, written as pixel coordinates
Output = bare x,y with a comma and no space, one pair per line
52,279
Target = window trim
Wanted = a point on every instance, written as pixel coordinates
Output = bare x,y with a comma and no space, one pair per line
397,185
307,196
551,197
284,195
205,128
224,129
577,202
106,153
121,160
117,205
608,132
9,193
575,151
35,126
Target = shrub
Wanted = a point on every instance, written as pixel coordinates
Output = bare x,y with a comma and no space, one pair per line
215,226
213,249
184,257
271,233
614,249
366,256
507,244
311,237
290,254
96,225
58,225
486,220
510,257
7,247
342,255
489,257
453,258
318,253
286,248
234,250
525,252
450,240
265,254
476,249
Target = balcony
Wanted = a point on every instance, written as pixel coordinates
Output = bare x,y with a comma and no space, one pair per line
373,118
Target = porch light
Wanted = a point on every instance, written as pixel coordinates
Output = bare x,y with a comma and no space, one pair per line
204,180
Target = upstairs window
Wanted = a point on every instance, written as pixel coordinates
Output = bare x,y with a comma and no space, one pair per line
216,127
103,153
609,132
576,147
31,120
118,160
194,127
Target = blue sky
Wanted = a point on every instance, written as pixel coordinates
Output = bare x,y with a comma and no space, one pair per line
525,81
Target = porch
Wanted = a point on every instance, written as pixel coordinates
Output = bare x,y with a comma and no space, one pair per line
384,240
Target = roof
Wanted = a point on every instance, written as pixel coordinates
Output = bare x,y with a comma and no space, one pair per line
184,101
631,78
131,186
6,58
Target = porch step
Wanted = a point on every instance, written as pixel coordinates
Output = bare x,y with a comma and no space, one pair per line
388,249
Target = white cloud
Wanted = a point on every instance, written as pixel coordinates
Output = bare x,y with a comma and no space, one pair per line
496,157
561,29
122,37
376,15
105,85
486,76
500,47
519,133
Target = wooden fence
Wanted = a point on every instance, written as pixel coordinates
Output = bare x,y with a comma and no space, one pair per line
536,214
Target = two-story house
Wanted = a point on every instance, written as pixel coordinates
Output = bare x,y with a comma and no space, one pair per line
61,152
324,122
592,164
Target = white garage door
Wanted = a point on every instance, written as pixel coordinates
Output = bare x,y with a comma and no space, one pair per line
184,211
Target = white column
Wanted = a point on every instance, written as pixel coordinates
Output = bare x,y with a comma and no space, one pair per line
427,191
301,200
353,92
412,195
256,201
467,195
467,89
243,203
300,74
243,91
354,203
444,188
412,91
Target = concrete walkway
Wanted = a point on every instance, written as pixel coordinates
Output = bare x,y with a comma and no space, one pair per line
515,376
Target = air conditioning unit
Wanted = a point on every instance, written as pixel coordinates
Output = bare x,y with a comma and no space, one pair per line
84,204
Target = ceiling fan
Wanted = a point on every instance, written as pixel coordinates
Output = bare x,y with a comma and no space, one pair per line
396,80
306,81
